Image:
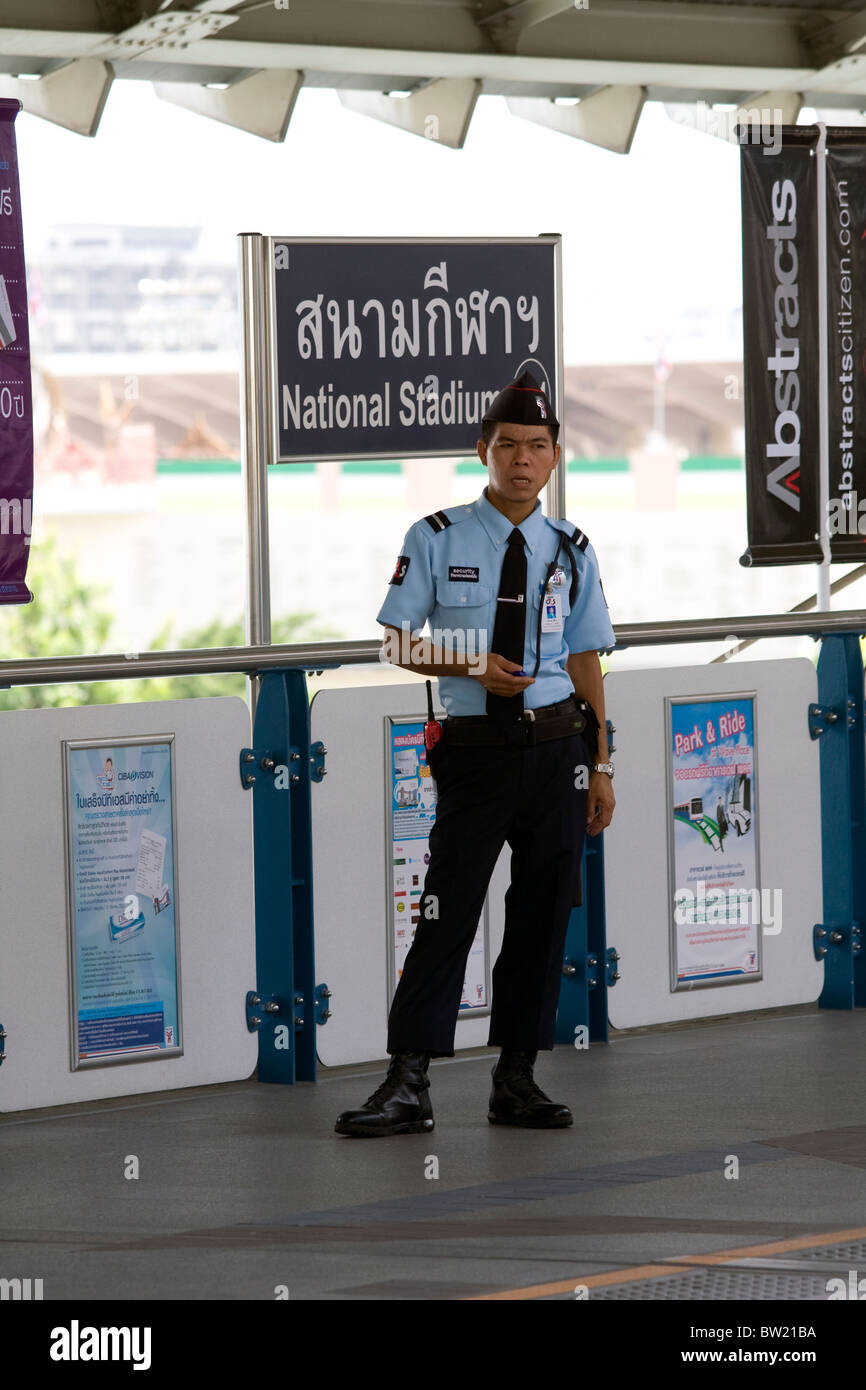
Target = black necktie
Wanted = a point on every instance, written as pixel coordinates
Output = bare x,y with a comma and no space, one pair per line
509,629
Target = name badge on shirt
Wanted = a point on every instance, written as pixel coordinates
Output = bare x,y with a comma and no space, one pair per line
551,611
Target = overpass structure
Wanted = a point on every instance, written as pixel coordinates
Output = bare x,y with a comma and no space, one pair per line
583,67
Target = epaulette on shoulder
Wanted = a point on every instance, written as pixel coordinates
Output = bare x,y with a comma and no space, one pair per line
438,521
574,533
448,516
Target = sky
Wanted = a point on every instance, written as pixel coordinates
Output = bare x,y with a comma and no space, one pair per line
651,240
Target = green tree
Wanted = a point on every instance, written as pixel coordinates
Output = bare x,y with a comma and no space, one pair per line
295,627
68,618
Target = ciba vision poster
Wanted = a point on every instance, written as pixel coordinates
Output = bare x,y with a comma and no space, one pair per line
122,901
715,890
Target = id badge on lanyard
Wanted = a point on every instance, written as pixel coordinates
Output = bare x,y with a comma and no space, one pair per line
551,610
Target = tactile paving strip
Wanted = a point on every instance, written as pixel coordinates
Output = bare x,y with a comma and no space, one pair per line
853,1253
724,1284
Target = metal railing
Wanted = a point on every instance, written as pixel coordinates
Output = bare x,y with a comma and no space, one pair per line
315,656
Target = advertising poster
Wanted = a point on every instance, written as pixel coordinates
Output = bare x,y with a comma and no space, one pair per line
411,796
122,900
16,405
715,892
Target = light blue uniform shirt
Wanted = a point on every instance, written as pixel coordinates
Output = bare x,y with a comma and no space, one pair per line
448,574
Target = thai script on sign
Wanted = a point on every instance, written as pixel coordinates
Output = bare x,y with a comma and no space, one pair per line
399,328
11,405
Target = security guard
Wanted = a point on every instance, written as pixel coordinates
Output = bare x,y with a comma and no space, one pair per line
518,617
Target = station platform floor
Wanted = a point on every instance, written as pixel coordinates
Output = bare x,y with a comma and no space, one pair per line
721,1160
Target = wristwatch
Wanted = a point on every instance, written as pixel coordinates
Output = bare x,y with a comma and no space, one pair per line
604,767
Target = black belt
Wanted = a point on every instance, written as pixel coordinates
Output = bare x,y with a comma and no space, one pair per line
563,720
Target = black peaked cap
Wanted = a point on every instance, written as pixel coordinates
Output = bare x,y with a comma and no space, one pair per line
522,402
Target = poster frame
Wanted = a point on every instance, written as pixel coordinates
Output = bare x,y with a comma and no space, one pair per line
725,696
392,722
151,1054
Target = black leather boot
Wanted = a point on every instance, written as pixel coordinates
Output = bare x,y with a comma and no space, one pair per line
516,1100
401,1105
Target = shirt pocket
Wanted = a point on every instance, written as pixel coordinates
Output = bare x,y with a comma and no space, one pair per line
463,606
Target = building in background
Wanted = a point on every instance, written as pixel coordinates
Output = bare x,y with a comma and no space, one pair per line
131,289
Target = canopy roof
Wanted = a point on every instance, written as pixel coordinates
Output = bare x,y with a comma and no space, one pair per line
244,61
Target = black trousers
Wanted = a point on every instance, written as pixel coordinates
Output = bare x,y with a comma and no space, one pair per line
486,797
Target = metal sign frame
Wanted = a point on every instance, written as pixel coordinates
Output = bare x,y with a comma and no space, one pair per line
270,243
259,406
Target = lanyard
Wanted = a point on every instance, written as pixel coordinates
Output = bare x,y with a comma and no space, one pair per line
572,592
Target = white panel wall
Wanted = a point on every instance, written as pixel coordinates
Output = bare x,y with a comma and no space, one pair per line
215,900
635,847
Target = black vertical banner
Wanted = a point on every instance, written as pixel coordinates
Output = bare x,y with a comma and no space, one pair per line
846,319
780,350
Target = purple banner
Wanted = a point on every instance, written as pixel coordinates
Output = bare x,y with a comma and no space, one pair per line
16,406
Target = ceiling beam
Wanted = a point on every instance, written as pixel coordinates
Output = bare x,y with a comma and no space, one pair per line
72,96
439,111
607,118
507,26
839,39
169,31
495,69
261,104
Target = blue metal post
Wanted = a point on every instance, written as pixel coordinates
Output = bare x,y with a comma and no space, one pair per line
590,965
283,764
837,720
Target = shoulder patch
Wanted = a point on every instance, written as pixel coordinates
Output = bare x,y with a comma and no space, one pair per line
400,569
437,521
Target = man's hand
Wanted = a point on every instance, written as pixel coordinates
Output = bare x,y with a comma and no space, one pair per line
497,676
600,803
